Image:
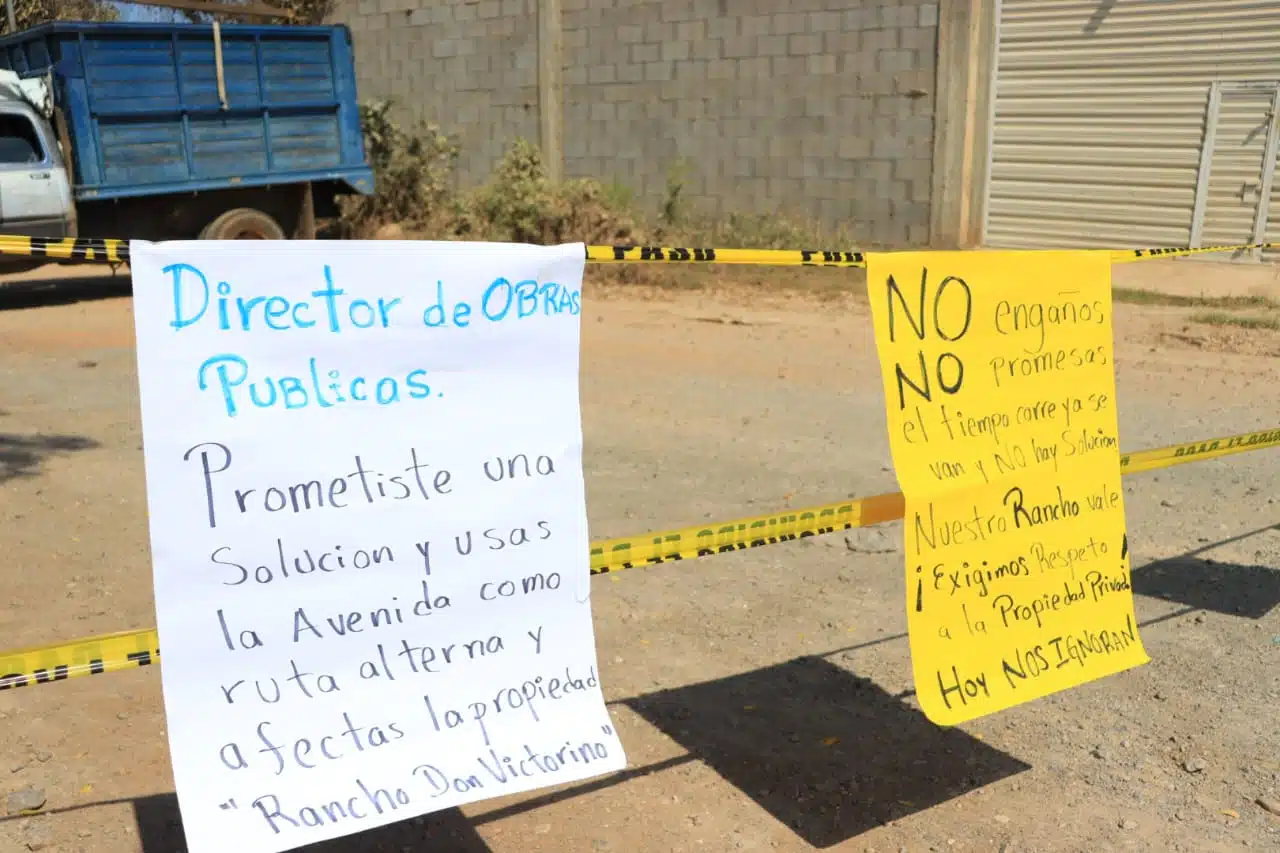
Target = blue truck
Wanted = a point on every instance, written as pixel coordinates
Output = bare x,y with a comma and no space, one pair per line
177,131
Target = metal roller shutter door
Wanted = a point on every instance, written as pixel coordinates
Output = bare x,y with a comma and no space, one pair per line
1100,113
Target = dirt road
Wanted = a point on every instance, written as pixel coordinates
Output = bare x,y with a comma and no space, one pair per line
764,697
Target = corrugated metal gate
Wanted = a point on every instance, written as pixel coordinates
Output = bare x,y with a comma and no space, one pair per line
1100,118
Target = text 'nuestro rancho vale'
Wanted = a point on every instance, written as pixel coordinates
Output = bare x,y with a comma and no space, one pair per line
368,531
1000,389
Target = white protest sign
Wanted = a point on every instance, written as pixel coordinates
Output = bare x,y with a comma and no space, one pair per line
368,530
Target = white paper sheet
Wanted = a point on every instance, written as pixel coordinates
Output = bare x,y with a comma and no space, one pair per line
369,609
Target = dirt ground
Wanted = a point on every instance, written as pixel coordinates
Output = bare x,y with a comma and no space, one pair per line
764,697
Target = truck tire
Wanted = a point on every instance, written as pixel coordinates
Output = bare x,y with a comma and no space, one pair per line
243,223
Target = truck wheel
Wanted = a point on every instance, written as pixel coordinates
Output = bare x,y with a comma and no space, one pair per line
243,223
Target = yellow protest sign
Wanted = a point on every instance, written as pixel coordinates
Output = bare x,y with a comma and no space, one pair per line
1000,390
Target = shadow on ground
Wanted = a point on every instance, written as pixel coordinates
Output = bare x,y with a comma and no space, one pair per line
824,751
22,455
39,293
1230,588
1223,587
160,831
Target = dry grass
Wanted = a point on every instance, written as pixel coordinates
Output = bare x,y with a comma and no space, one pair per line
1252,322
1151,297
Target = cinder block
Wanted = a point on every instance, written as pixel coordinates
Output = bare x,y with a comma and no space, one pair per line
628,111
911,211
917,127
642,53
657,71
922,188
504,26
691,30
613,94
722,69
840,42
803,45
875,41
676,10
658,32
910,169
789,23
707,49
629,34
738,47
864,62
878,171
862,18
823,22
787,66
688,109
722,27
919,38
818,147
888,147
839,169
821,64
630,72
602,74
771,45
757,25
673,51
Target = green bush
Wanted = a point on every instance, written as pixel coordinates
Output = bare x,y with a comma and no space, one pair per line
413,173
416,192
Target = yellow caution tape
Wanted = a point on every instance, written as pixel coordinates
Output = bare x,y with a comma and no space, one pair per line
129,649
115,251
108,251
1124,256
755,257
834,258
1198,451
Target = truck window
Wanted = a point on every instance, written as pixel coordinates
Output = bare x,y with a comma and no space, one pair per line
18,141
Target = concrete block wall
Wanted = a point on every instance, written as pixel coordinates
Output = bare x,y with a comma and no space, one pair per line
817,108
470,66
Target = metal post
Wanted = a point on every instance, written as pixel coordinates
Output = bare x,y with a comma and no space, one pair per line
550,88
1268,174
1210,141
8,12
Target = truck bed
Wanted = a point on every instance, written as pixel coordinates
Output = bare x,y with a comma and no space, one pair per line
145,116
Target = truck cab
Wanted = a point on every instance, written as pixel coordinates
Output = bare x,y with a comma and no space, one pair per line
35,189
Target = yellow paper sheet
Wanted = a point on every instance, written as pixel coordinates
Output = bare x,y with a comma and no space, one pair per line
1000,390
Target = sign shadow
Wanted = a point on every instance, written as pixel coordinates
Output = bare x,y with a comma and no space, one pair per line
826,752
1228,588
160,831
